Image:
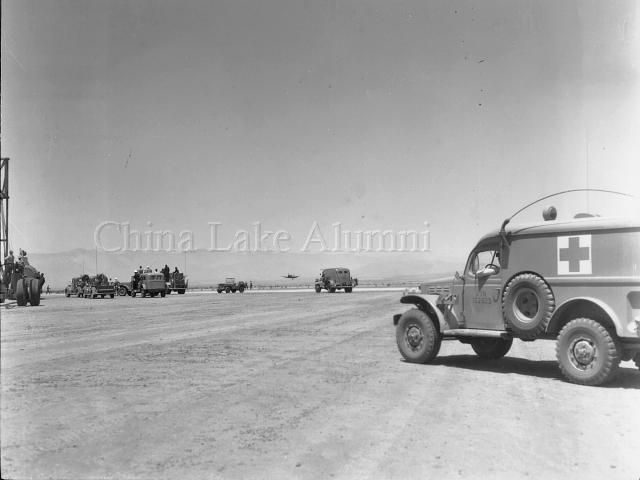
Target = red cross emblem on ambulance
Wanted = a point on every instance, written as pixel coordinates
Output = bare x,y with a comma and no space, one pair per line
574,255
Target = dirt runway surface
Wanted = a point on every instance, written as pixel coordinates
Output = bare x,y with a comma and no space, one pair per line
290,385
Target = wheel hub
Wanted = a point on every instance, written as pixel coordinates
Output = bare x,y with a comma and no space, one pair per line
584,352
527,304
414,336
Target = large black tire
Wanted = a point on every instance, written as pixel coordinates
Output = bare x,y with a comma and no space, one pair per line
219,290
21,293
332,290
241,289
133,293
587,353
34,291
227,290
122,291
417,337
162,294
318,288
527,305
491,348
112,295
348,289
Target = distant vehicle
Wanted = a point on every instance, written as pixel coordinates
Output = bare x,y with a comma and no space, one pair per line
178,282
332,279
76,287
150,284
290,275
575,281
98,285
230,286
23,284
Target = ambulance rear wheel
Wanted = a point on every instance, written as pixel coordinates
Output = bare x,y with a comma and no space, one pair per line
491,348
587,353
527,305
417,337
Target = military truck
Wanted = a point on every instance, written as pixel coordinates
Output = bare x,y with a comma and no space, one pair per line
332,279
23,283
98,285
150,284
76,286
575,281
230,286
178,282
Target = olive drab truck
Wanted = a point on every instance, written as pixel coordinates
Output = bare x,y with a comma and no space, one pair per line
332,279
575,281
178,282
22,284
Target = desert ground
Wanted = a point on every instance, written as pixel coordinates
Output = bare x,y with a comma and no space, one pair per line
289,385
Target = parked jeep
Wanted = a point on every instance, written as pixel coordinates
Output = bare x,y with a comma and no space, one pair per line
230,286
576,281
332,279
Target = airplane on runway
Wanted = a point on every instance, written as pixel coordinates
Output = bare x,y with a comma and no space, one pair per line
289,275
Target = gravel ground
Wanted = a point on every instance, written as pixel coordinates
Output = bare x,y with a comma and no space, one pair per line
289,385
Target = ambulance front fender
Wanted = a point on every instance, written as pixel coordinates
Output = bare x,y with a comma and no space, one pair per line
428,304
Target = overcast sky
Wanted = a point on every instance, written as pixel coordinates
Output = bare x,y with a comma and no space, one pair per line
377,114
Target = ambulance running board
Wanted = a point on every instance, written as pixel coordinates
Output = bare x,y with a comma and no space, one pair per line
474,332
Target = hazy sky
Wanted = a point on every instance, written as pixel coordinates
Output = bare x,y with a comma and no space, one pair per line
376,114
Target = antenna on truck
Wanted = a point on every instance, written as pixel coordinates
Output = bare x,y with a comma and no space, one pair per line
503,233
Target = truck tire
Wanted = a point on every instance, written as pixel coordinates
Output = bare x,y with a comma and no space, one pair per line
332,290
34,292
21,293
348,289
112,295
491,348
587,353
133,293
527,305
122,291
241,289
219,290
163,294
227,290
417,337
318,288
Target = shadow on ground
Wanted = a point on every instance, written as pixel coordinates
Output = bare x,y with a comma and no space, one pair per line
626,378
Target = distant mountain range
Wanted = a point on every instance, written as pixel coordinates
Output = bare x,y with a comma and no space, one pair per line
205,268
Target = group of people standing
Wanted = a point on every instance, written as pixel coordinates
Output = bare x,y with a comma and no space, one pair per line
166,271
10,265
